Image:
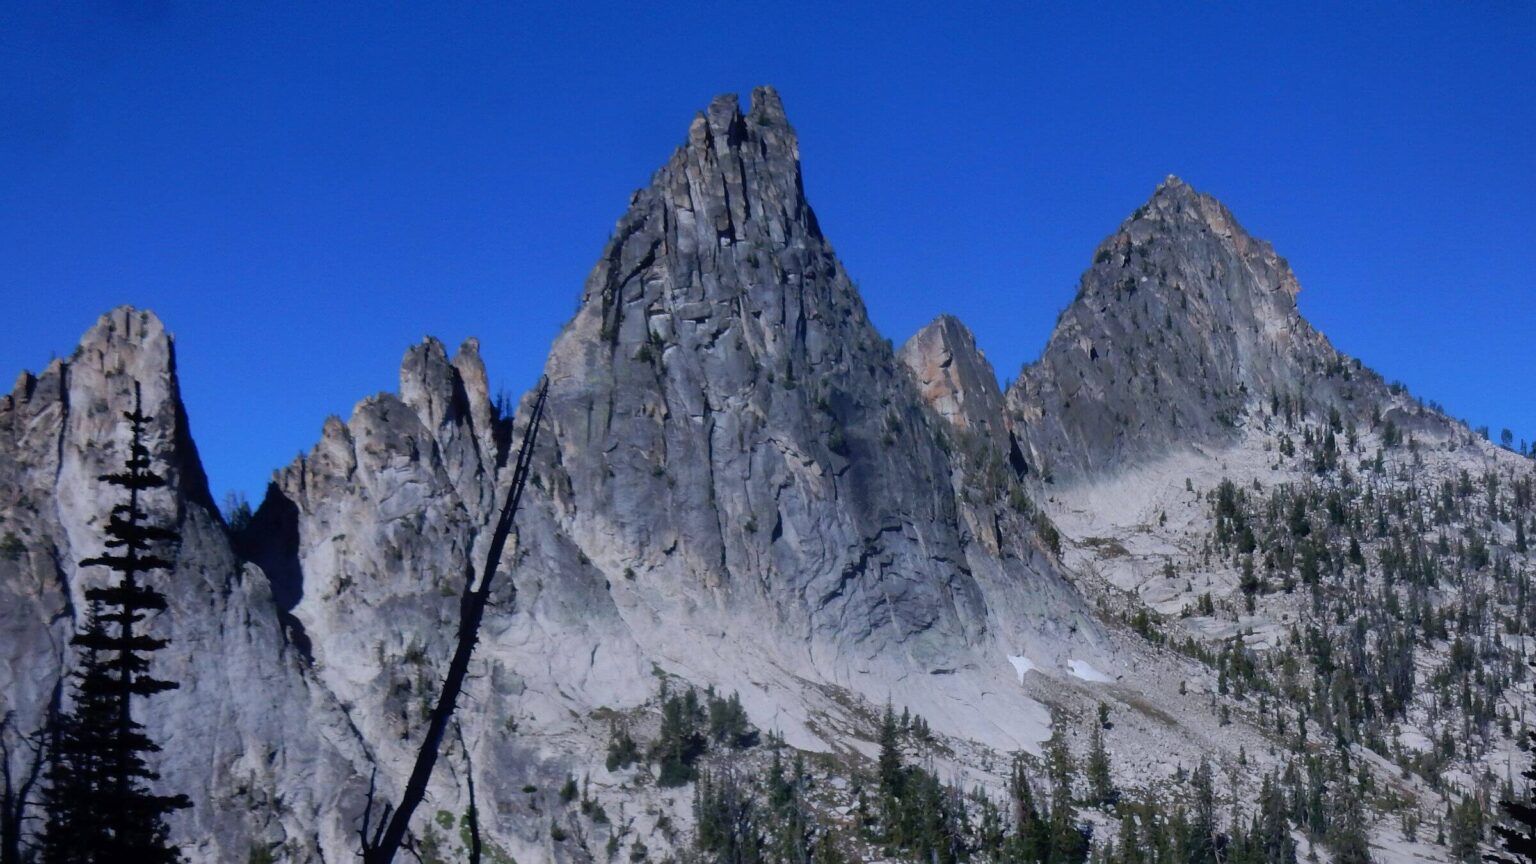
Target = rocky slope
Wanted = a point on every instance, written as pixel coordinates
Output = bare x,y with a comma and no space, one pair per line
1227,481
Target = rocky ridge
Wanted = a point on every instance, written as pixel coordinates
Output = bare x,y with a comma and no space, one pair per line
740,484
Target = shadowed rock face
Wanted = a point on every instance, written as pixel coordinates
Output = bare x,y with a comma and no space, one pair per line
1183,326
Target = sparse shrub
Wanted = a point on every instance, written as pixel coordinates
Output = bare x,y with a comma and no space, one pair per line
622,750
11,547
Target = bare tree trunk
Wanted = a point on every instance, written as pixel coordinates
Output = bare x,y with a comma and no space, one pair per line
395,822
16,790
472,817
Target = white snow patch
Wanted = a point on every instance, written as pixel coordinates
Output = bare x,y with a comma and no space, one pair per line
1021,665
1084,670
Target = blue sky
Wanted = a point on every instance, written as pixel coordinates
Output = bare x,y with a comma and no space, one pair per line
302,190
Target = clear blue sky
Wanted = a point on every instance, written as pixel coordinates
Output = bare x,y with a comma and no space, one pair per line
303,189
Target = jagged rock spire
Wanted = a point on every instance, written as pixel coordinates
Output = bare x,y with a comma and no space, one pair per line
733,433
955,377
244,693
723,229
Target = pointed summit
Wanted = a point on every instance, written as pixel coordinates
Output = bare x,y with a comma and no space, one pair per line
954,377
723,233
767,108
721,350
720,337
1172,186
1182,327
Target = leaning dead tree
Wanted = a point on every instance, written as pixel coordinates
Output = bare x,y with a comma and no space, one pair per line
390,834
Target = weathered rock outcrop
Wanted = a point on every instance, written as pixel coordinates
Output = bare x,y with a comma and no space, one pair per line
261,750
373,533
731,449
954,377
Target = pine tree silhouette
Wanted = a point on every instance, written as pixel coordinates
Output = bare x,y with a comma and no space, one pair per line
78,755
98,801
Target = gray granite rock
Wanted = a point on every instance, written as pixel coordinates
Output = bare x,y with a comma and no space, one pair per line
737,483
261,750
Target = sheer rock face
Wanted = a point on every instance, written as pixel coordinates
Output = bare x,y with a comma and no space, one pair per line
375,531
955,380
729,426
1181,328
733,429
244,724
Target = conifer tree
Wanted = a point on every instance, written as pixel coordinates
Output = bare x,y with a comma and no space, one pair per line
1517,834
1031,838
1346,832
1466,829
1069,842
680,743
98,801
1101,783
790,833
1204,843
80,746
891,774
727,819
1129,841
1273,830
728,724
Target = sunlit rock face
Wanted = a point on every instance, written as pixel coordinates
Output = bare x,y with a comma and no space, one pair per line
259,749
954,377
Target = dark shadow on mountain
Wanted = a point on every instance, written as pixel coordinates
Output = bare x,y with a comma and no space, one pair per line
271,542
